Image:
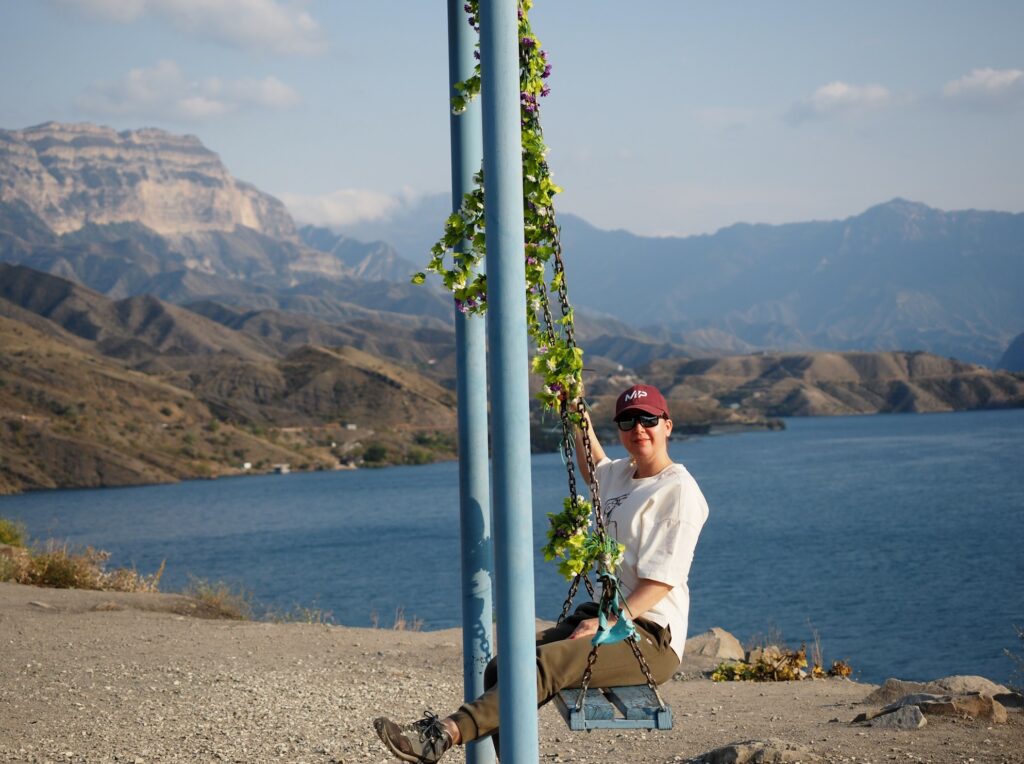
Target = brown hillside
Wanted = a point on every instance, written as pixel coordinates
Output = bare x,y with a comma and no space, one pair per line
816,384
70,418
135,329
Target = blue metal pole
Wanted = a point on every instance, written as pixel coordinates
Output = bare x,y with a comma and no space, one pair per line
471,387
507,354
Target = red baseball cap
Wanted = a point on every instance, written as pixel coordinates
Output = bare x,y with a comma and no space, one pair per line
644,398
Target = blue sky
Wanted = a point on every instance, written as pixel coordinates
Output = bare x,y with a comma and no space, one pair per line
665,118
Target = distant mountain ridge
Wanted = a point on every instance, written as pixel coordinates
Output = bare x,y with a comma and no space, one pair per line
899,276
148,212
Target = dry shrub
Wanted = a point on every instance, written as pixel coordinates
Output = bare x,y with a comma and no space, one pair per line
401,624
12,533
300,614
229,601
60,568
12,567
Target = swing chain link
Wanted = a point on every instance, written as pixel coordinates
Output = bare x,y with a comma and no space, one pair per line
634,643
609,584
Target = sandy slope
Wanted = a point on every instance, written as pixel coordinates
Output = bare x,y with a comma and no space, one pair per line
98,677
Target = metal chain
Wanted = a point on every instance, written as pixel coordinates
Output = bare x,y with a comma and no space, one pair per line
572,595
587,673
608,584
634,643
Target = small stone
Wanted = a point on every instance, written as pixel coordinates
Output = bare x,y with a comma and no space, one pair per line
903,718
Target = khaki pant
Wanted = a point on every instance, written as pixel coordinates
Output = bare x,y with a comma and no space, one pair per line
561,662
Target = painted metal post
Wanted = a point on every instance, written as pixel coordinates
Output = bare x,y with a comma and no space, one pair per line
471,387
507,355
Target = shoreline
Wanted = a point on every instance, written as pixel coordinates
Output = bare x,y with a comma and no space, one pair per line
100,676
682,434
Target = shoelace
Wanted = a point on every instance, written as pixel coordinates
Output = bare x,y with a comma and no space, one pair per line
430,728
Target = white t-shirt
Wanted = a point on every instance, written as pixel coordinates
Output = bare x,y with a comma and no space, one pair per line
658,519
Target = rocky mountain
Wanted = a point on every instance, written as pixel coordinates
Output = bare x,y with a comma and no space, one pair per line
148,212
72,175
899,276
1013,358
373,261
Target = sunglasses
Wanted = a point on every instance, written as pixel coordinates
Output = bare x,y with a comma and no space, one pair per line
647,421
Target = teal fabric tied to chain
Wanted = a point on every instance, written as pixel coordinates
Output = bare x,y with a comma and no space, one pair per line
623,627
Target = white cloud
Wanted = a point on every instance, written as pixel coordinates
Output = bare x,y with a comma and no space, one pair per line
987,87
838,99
164,92
342,207
261,25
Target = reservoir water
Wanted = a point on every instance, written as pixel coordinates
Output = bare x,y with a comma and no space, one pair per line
897,540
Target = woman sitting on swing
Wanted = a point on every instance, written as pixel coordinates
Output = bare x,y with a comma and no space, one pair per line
654,507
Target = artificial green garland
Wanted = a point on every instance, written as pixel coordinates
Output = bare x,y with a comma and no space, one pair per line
556,358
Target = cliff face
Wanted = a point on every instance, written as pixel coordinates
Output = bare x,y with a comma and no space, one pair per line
74,175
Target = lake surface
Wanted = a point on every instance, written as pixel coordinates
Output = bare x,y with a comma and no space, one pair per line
898,540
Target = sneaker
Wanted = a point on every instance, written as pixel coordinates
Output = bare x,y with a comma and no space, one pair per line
422,742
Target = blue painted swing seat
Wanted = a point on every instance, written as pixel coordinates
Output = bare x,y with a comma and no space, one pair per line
630,707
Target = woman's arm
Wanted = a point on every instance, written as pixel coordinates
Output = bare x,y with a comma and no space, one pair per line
595,447
646,595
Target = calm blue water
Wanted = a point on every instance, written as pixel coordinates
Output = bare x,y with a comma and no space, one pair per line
898,539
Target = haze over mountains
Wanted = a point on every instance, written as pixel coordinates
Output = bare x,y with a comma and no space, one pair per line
149,212
899,276
135,262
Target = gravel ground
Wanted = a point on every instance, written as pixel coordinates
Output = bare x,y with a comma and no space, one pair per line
101,677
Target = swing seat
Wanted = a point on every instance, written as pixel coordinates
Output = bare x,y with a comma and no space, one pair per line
630,707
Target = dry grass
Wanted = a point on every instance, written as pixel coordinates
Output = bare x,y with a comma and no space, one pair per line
58,566
401,622
231,602
12,533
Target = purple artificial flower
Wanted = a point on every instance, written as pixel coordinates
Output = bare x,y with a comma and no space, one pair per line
556,387
545,91
467,8
542,349
531,260
528,42
476,55
547,71
461,306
